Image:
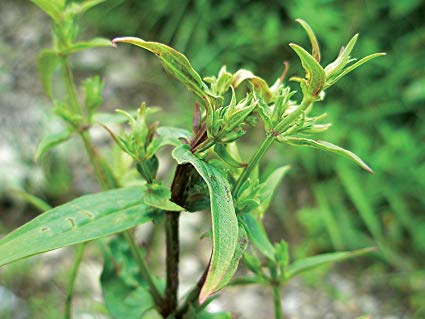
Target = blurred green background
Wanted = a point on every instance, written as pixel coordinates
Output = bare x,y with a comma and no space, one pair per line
377,112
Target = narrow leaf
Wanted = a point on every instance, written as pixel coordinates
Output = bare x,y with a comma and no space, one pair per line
343,57
326,146
258,235
315,75
47,63
224,221
51,141
315,50
308,263
175,63
83,219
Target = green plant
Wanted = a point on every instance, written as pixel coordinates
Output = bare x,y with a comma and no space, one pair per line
209,175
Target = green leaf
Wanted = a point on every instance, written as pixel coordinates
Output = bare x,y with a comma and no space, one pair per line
240,249
341,61
268,187
259,84
53,8
51,141
123,295
85,218
315,76
301,265
326,146
175,63
224,154
354,66
157,195
315,50
93,43
282,255
258,235
93,88
224,221
47,63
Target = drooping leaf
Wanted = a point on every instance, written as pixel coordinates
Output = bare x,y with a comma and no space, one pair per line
174,62
315,50
257,235
83,219
224,221
51,141
308,263
267,189
240,249
157,195
315,75
47,63
259,84
93,43
326,146
123,293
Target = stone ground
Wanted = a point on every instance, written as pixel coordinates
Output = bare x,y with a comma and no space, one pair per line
24,30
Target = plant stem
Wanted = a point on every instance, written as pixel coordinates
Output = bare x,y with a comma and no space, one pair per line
181,178
143,269
70,85
71,284
277,301
253,162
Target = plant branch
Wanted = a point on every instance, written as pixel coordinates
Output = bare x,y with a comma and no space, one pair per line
71,284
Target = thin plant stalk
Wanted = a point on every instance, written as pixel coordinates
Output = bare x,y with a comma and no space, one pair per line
277,301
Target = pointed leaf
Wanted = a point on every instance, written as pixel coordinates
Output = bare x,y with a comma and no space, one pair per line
224,221
47,63
326,146
315,50
83,219
308,263
258,235
51,141
354,66
175,63
315,75
223,153
341,61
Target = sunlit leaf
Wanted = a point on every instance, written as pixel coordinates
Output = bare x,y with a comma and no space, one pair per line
224,221
83,219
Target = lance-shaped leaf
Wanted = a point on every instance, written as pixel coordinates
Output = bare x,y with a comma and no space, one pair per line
47,63
175,63
157,195
83,219
341,61
258,235
51,141
315,50
308,263
315,76
259,84
224,221
325,146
